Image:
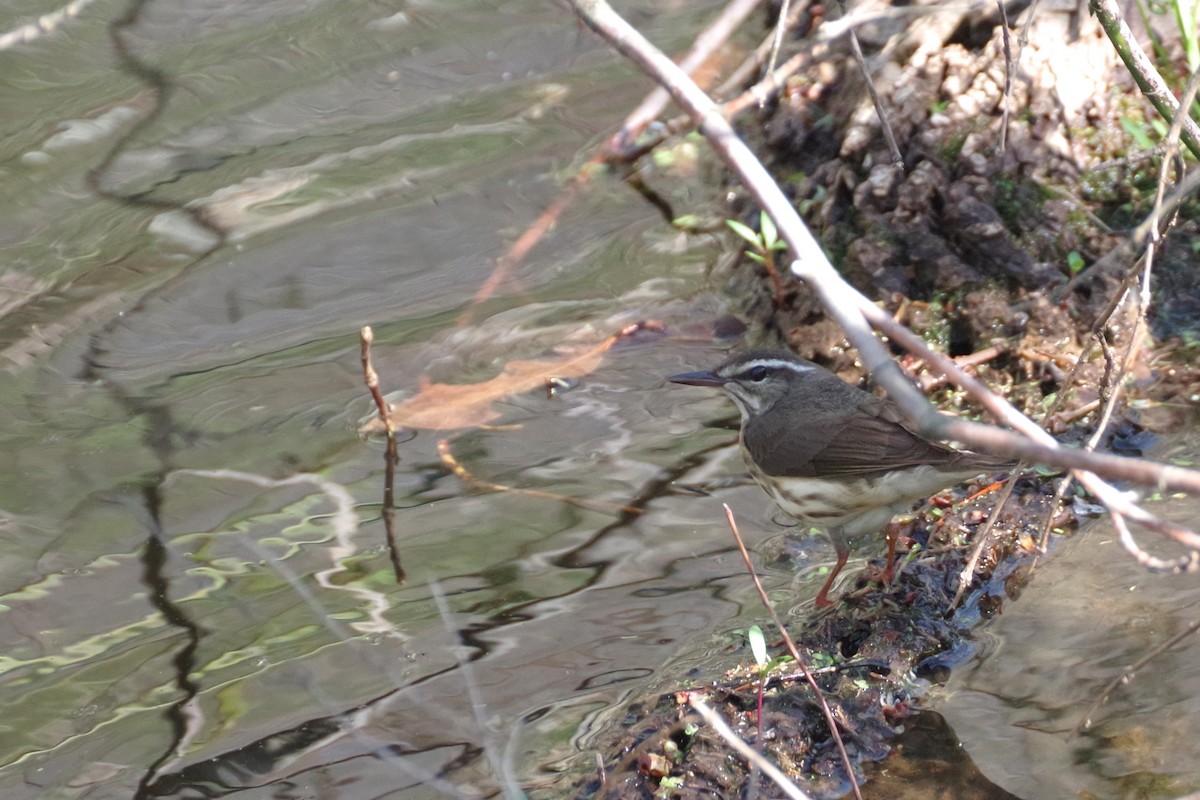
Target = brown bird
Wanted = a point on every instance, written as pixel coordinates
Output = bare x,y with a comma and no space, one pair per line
830,454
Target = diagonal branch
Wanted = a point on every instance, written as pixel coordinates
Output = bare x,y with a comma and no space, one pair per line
1142,69
855,313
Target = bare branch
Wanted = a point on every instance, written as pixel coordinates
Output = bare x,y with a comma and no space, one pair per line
712,37
1142,69
371,379
852,311
1010,71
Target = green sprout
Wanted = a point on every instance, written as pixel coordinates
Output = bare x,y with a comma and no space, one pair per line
758,646
764,243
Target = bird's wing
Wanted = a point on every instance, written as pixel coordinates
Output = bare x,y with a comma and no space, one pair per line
789,450
871,440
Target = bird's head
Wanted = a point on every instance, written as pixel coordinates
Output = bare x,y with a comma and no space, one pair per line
755,379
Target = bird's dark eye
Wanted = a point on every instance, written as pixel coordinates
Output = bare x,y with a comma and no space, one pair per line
757,373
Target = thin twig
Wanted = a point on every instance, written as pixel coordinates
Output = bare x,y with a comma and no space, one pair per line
753,62
880,111
791,646
371,378
725,732
777,39
1060,492
1128,673
982,535
391,455
929,382
1010,69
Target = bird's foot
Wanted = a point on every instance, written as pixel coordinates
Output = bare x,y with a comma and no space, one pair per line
822,600
896,530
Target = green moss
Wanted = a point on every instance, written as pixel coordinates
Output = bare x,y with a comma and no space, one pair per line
1019,202
952,147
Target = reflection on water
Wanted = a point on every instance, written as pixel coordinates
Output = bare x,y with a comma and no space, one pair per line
169,625
1087,616
170,629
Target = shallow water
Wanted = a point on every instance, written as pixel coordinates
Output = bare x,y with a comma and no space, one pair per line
179,614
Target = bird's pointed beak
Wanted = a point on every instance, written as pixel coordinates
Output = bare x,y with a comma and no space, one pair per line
701,378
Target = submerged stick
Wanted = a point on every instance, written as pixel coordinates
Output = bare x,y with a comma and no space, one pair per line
391,456
371,378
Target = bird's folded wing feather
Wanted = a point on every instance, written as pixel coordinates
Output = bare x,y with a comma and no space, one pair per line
868,441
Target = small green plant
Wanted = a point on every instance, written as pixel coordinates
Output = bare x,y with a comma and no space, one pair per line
806,205
1187,20
764,244
1139,131
758,646
1075,262
952,147
667,786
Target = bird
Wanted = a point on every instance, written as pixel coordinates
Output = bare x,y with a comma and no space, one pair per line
831,455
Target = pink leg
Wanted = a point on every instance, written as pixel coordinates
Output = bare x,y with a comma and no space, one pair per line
843,553
892,531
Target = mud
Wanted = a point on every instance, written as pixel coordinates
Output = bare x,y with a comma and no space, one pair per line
986,246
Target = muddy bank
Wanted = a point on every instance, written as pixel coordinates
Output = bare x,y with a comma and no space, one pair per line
987,238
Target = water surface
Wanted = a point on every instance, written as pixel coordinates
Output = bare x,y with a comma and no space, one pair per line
197,596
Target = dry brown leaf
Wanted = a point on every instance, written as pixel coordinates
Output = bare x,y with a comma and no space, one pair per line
444,406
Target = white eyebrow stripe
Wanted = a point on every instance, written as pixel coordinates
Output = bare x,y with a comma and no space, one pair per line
775,363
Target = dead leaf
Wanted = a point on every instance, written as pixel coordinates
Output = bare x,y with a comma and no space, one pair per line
445,406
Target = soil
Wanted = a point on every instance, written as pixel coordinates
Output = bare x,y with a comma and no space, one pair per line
990,247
